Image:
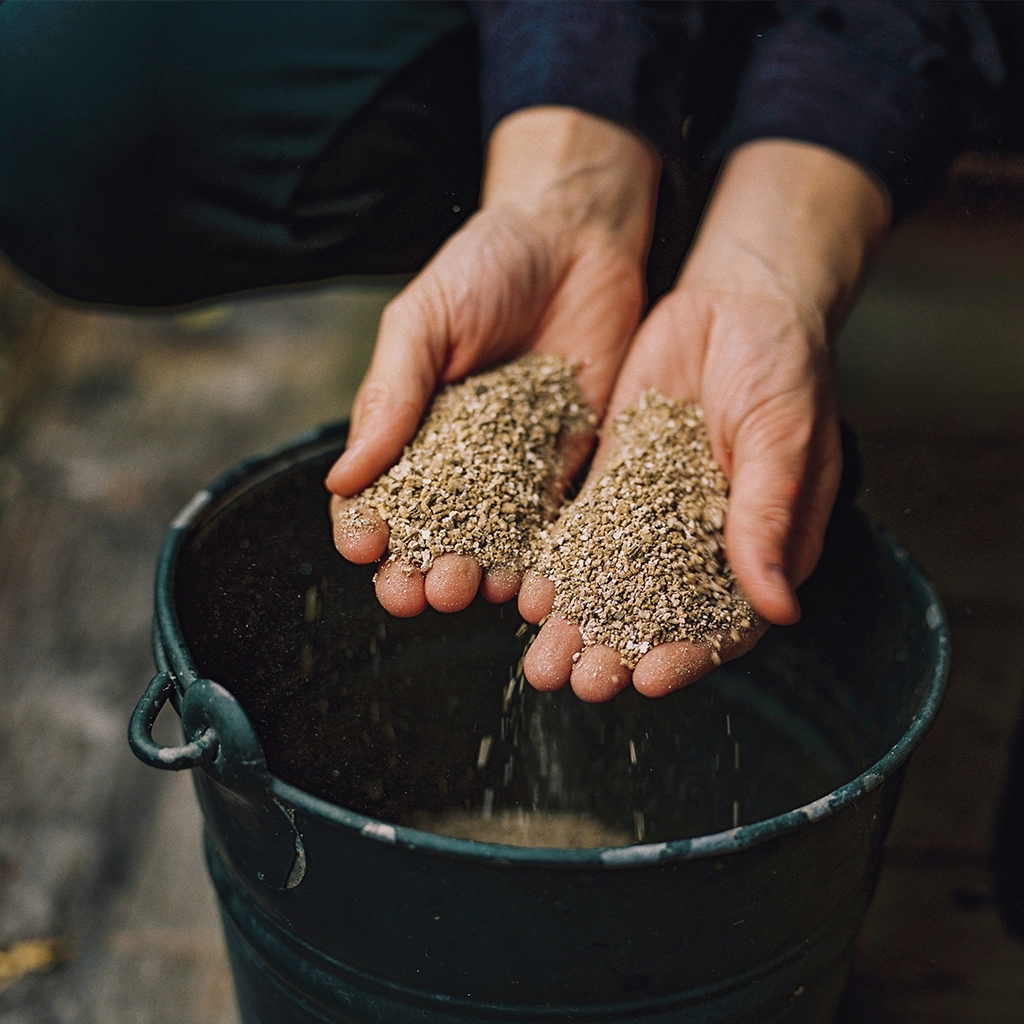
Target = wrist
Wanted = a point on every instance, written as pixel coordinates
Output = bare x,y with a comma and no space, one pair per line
581,170
793,219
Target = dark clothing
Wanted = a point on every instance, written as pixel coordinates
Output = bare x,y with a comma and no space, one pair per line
897,87
156,153
165,152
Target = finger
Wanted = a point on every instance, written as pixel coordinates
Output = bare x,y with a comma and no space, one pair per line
400,589
536,597
548,663
500,585
399,385
599,674
359,532
763,495
671,666
452,582
778,511
815,509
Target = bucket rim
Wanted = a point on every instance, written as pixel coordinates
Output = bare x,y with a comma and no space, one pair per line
173,652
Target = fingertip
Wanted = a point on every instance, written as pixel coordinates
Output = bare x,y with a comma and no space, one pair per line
599,674
360,535
395,392
764,495
385,416
500,585
536,597
452,582
549,661
671,666
400,589
756,561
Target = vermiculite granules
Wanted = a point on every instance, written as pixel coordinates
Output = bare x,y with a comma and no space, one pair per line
484,474
637,559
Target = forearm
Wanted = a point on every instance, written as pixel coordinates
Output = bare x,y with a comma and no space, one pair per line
793,219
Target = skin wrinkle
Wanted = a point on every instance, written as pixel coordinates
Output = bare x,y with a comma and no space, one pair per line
756,412
595,205
780,513
401,323
761,420
631,306
550,315
380,399
427,311
377,400
512,244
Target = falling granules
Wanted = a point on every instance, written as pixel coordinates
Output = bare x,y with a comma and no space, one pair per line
637,560
485,473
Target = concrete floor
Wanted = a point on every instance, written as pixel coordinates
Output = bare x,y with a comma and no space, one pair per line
112,421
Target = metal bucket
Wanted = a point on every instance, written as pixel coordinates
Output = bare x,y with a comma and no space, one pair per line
318,725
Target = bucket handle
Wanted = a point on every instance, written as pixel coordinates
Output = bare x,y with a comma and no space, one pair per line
201,750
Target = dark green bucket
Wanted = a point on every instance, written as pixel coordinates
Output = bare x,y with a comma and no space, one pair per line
762,794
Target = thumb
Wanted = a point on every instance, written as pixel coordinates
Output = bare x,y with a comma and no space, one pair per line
780,499
394,395
764,495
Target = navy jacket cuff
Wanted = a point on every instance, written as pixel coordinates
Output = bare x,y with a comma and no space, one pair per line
601,56
897,114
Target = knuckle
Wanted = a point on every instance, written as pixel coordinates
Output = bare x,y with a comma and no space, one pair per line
774,519
373,395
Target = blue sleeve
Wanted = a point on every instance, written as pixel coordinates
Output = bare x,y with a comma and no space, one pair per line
900,88
610,58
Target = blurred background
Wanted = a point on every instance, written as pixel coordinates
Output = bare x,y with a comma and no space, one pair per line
110,421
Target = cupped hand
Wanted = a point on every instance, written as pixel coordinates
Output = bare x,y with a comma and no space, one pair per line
744,334
553,263
760,370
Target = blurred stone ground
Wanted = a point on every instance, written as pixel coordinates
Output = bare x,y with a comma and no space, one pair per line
114,421
110,421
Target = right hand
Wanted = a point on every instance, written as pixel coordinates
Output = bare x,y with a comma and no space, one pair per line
552,263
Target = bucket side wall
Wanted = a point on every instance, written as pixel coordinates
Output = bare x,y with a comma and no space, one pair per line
376,914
